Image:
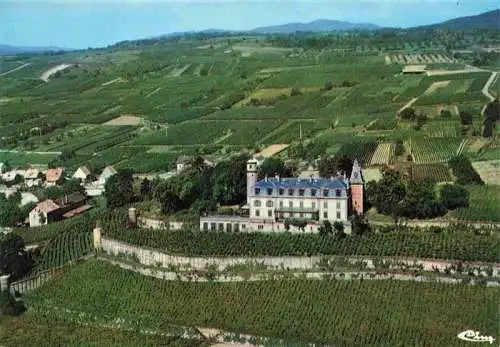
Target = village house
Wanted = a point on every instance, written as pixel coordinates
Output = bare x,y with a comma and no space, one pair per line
185,161
106,174
273,203
66,206
53,176
31,177
82,173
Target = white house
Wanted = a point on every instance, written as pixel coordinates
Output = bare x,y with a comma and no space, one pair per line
42,213
82,173
106,174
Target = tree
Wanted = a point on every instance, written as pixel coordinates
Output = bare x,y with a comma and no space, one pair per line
359,225
167,196
326,228
273,166
387,193
118,188
454,196
338,226
420,201
229,181
145,190
399,148
295,91
10,214
204,206
465,118
407,113
330,166
445,113
328,85
14,260
9,306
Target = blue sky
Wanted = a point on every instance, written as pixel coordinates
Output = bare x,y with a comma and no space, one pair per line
93,23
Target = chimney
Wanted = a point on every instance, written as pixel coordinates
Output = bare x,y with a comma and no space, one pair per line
331,178
311,178
277,177
265,178
132,216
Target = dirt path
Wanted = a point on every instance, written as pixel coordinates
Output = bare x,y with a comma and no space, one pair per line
487,85
411,102
15,69
46,75
27,152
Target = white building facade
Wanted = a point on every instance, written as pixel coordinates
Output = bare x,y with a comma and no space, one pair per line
282,204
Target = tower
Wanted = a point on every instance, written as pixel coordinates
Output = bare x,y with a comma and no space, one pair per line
251,177
357,184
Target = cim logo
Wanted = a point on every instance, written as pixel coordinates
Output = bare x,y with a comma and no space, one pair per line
474,336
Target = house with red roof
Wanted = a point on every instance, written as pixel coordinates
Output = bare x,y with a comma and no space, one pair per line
54,176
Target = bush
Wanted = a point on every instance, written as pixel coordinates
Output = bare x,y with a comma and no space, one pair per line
463,170
407,113
295,91
9,306
465,118
399,148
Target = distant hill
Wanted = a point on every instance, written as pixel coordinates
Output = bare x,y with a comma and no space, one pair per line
486,20
11,50
315,26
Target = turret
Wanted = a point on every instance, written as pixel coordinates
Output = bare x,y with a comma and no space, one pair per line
356,183
251,177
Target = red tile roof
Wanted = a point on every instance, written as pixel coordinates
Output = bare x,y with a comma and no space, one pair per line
76,211
46,206
53,175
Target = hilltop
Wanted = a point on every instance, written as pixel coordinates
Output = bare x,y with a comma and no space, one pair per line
486,20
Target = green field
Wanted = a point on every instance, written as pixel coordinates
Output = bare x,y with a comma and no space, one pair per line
483,205
393,313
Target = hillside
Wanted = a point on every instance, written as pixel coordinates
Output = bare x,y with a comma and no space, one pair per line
486,20
11,50
315,26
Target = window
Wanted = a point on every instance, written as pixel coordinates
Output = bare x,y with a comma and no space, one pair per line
205,226
243,226
260,227
290,204
281,191
325,204
269,213
301,192
213,226
257,191
338,205
313,205
338,192
269,203
256,203
236,228
290,192
313,192
325,215
281,203
301,215
338,215
257,213
229,227
221,226
291,214
269,191
301,204
325,192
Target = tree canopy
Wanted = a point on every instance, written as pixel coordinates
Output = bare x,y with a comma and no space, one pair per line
14,260
118,188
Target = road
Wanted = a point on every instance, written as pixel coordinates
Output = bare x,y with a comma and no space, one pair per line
487,85
27,152
15,69
46,75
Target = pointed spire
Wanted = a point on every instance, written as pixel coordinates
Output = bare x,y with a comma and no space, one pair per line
356,177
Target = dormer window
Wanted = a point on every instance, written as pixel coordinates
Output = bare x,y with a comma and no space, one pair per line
290,192
301,192
281,191
325,192
313,192
257,191
338,192
269,191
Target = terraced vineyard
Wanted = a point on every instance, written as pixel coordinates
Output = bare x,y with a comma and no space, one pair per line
435,172
363,151
382,154
437,150
483,204
301,310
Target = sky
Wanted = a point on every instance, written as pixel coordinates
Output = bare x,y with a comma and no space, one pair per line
97,23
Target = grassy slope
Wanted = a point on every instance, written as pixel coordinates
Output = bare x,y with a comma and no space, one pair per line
375,313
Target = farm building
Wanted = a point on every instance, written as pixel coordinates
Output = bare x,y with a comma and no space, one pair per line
31,177
66,206
82,173
53,176
414,69
106,174
184,161
274,203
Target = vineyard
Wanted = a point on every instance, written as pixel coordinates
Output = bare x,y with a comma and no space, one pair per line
435,150
385,312
483,204
39,329
382,154
454,243
363,151
64,248
434,172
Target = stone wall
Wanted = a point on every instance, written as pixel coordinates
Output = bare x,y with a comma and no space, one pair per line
152,257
